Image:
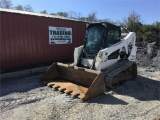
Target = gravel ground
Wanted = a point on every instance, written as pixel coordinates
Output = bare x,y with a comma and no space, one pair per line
27,99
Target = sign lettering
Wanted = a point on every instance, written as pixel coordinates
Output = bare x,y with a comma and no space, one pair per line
60,35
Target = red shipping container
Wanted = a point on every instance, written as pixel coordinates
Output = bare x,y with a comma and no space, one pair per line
24,38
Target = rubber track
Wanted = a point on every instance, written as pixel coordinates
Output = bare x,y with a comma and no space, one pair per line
114,70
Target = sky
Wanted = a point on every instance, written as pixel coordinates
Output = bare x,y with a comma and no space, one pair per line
115,10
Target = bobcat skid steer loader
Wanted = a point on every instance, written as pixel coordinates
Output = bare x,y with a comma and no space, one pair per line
102,62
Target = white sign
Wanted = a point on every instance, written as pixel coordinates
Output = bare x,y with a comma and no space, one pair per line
60,35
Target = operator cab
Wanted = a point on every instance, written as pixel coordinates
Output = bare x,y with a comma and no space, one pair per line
100,36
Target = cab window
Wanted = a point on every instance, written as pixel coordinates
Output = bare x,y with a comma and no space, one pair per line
112,37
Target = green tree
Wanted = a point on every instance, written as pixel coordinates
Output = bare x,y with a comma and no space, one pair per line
64,14
43,12
83,19
18,7
25,8
52,13
145,31
150,30
74,15
156,28
6,4
132,23
28,8
92,17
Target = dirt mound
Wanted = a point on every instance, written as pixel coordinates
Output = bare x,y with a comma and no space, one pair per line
148,56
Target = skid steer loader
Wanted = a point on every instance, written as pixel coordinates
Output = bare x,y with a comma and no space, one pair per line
102,62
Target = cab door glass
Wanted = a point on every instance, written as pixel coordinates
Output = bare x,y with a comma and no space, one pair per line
116,36
109,41
112,37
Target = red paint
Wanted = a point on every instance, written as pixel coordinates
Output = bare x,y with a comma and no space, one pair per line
24,40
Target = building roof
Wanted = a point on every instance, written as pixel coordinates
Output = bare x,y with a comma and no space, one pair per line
36,14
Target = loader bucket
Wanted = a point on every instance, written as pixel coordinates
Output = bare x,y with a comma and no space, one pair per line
79,82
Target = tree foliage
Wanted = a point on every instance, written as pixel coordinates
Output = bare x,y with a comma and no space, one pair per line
131,23
44,12
74,15
64,14
6,4
18,7
25,8
92,17
28,8
147,30
52,13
